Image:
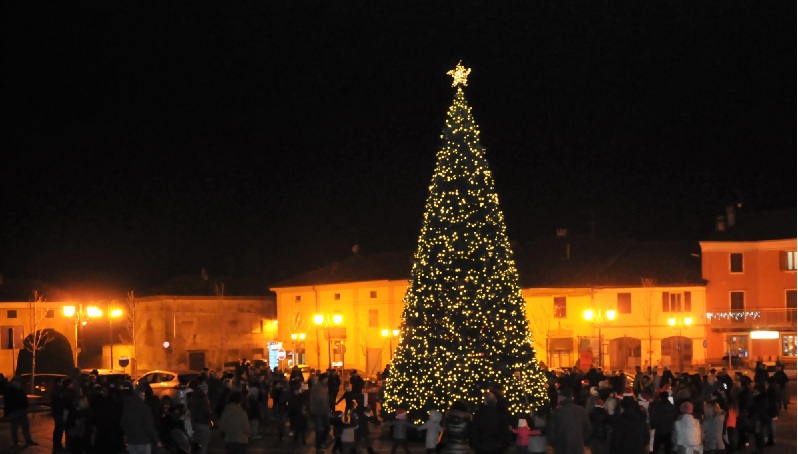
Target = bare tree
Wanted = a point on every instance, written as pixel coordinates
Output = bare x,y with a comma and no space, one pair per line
133,331
540,323
297,324
650,311
38,338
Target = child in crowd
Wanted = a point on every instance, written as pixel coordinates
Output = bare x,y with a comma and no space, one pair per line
349,397
522,436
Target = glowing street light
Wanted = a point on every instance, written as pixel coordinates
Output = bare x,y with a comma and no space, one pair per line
680,322
80,318
294,338
326,320
390,334
599,319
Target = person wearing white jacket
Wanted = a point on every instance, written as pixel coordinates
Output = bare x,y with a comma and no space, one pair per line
433,427
687,432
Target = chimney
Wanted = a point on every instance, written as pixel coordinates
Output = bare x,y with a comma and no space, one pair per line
720,224
730,221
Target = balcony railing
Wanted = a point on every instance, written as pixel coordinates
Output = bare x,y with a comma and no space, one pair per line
752,318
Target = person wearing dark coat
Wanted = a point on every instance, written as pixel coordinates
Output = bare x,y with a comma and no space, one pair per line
16,409
488,432
629,430
569,426
661,416
667,377
600,429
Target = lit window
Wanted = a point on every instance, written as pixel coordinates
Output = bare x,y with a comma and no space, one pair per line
373,294
677,302
337,296
298,298
788,345
12,314
788,261
624,303
49,314
736,262
559,307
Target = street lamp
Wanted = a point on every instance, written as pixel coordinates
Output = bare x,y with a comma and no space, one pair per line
294,337
599,319
390,334
681,322
80,318
112,314
326,320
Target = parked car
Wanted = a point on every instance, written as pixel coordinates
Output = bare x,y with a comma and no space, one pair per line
43,385
170,383
114,377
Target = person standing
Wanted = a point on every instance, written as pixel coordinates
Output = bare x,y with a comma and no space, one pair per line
57,406
686,435
569,426
200,409
712,428
138,425
661,417
234,424
319,407
489,430
600,429
333,387
16,409
433,427
521,436
629,430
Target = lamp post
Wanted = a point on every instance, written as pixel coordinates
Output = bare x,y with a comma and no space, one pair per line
390,334
112,314
80,318
294,337
680,322
326,320
599,319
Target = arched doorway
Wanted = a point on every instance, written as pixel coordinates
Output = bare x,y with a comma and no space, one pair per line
677,352
625,353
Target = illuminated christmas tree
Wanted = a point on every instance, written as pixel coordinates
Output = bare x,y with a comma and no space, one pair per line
464,325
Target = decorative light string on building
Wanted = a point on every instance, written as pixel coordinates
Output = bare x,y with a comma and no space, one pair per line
735,316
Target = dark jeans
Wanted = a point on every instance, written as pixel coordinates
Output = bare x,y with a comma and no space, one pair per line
321,424
58,429
235,448
19,419
731,446
662,440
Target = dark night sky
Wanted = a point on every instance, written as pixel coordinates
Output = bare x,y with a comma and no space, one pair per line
265,138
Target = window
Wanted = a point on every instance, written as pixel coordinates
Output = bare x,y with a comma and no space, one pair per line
737,306
337,297
12,314
677,302
624,303
788,345
559,307
788,260
298,298
50,313
791,306
373,294
736,262
374,318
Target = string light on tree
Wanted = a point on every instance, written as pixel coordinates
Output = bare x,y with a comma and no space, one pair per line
464,325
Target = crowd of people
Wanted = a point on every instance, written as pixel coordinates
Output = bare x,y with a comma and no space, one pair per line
648,411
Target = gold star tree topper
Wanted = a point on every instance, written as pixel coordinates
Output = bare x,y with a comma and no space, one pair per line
459,75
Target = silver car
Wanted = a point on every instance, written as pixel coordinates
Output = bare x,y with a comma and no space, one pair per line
170,383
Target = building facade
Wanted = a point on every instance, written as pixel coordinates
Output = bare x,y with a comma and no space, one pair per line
750,266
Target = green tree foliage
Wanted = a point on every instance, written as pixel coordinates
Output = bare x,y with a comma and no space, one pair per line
464,325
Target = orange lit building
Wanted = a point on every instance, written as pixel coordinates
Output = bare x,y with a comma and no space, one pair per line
749,263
